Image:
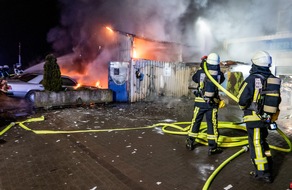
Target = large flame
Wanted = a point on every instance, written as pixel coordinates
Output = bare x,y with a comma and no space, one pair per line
154,50
92,70
84,79
90,73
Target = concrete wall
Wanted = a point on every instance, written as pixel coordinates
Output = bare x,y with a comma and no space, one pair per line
45,99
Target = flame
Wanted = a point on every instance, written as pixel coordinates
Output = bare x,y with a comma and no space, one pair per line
135,54
97,84
152,50
141,49
84,79
78,85
93,72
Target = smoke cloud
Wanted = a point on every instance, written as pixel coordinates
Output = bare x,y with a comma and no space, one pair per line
202,25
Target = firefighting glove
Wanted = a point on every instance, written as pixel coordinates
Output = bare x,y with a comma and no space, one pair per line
221,104
275,116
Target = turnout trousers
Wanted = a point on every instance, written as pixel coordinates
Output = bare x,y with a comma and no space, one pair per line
212,124
260,152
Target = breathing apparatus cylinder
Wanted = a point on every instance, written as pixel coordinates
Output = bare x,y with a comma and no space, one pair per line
209,87
213,61
272,95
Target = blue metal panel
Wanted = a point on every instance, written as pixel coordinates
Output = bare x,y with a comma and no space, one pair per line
118,75
119,91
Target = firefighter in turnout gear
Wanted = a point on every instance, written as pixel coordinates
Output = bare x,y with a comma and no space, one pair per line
260,112
206,103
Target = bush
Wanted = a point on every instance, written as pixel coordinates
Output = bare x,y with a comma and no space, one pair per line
52,75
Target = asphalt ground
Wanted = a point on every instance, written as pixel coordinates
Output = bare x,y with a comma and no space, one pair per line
124,147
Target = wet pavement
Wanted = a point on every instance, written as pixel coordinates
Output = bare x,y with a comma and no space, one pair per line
123,147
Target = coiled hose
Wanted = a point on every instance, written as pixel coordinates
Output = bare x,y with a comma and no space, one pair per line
179,128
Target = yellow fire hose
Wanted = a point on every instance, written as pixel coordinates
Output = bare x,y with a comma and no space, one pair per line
209,180
244,148
178,128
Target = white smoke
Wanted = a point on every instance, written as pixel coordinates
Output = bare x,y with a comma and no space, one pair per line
82,22
243,19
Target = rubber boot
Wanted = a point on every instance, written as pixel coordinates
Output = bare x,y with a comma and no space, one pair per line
215,151
190,143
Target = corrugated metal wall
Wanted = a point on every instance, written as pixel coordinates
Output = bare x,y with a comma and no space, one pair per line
125,44
160,79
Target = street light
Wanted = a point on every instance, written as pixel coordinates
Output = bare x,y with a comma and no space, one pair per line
204,35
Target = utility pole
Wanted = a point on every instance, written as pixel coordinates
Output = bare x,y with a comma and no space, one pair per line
17,67
19,54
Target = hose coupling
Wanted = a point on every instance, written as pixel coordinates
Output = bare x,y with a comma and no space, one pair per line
245,148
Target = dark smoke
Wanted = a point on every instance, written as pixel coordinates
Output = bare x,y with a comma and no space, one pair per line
82,22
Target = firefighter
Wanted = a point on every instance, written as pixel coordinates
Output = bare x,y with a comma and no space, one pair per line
3,85
17,69
257,124
206,103
1,72
5,71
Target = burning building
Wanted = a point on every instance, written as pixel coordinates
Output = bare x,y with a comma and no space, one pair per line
120,64
144,55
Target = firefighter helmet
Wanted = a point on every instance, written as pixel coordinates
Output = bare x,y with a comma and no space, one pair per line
262,59
213,59
18,65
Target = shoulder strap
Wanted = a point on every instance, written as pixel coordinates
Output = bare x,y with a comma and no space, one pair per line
258,81
258,87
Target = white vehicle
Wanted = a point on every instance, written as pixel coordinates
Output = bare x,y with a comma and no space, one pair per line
25,85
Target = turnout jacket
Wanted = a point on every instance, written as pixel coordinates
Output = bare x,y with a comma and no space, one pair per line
200,78
249,92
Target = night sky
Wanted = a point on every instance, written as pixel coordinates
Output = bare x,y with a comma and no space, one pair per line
26,22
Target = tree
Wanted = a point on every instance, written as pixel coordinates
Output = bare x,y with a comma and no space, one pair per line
52,75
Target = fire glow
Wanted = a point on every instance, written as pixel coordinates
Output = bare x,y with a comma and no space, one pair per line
145,48
155,50
84,80
90,68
